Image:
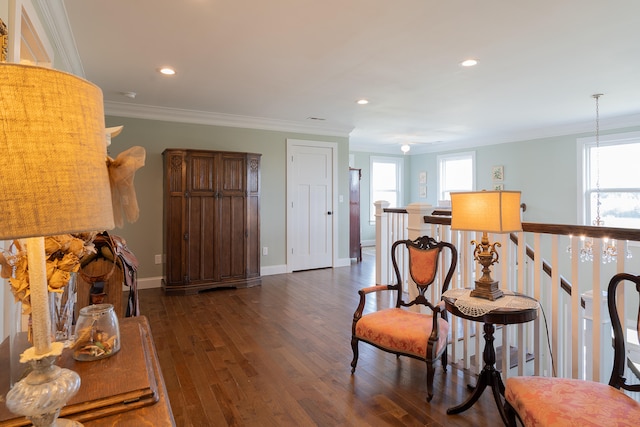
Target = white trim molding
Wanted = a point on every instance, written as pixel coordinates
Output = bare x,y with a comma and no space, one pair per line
150,112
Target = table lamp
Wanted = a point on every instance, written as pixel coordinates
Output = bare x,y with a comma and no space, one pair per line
489,212
53,180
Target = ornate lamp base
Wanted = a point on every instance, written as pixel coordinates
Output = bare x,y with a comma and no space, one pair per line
487,290
486,255
41,395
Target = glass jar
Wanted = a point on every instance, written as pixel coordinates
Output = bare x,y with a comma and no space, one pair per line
97,333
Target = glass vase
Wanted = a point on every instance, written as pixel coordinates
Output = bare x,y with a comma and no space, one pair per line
61,306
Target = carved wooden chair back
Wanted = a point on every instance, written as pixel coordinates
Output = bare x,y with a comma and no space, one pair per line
424,254
617,378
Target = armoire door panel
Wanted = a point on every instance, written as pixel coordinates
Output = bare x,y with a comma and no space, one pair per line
176,177
173,209
202,173
201,236
233,241
174,250
233,171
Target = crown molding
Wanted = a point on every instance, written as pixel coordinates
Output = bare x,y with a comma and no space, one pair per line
218,119
619,123
54,18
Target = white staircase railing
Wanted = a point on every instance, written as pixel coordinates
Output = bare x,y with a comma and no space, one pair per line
572,335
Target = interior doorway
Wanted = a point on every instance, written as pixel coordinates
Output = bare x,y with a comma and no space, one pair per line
311,222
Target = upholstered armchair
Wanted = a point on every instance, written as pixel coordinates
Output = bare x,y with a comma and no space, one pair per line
404,331
545,401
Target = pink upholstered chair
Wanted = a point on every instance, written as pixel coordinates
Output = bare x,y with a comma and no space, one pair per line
544,401
406,332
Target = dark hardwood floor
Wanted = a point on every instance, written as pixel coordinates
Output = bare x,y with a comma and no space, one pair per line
279,355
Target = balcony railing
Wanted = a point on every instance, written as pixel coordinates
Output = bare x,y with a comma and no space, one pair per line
572,335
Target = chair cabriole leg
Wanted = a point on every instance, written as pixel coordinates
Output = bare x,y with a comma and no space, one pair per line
354,347
430,375
510,414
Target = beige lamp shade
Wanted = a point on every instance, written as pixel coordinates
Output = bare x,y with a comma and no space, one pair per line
53,172
490,211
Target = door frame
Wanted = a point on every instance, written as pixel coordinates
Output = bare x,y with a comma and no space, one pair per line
291,144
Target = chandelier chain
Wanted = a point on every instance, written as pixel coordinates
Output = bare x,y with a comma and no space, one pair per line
598,221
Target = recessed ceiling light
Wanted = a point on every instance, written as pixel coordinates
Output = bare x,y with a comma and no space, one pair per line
469,62
167,71
362,101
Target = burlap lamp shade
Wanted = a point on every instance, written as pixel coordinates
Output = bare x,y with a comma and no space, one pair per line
53,175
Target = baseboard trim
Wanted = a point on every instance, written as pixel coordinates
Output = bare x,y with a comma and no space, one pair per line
156,282
273,269
343,262
148,283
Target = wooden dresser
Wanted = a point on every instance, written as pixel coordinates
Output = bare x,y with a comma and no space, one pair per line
126,389
211,219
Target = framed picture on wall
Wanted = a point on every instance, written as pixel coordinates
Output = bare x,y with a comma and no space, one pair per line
498,187
422,177
423,191
497,173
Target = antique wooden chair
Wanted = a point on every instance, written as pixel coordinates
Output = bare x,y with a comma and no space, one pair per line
542,401
401,330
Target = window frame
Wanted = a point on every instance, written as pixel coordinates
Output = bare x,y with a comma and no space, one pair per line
584,146
442,159
399,162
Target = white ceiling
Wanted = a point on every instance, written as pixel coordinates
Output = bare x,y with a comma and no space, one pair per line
273,64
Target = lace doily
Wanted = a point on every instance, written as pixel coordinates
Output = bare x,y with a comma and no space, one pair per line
476,307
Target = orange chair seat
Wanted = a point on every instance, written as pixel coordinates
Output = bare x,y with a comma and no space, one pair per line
403,331
570,402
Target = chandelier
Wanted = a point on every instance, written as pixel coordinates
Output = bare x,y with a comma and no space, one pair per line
609,249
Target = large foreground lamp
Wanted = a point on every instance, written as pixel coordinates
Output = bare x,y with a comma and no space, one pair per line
489,212
53,180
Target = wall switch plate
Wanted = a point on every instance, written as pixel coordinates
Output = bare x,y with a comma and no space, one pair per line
158,259
265,250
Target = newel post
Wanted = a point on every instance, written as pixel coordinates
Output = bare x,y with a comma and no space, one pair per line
383,244
416,226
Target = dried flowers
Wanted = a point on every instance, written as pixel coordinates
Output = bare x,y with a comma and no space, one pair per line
63,254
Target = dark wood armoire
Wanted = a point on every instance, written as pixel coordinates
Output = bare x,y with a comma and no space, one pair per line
211,220
355,245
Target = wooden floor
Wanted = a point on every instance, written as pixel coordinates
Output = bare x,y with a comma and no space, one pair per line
279,355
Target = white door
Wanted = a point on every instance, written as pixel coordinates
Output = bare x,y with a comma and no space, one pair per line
310,216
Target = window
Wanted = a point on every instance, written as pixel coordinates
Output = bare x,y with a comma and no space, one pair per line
386,182
456,172
611,168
